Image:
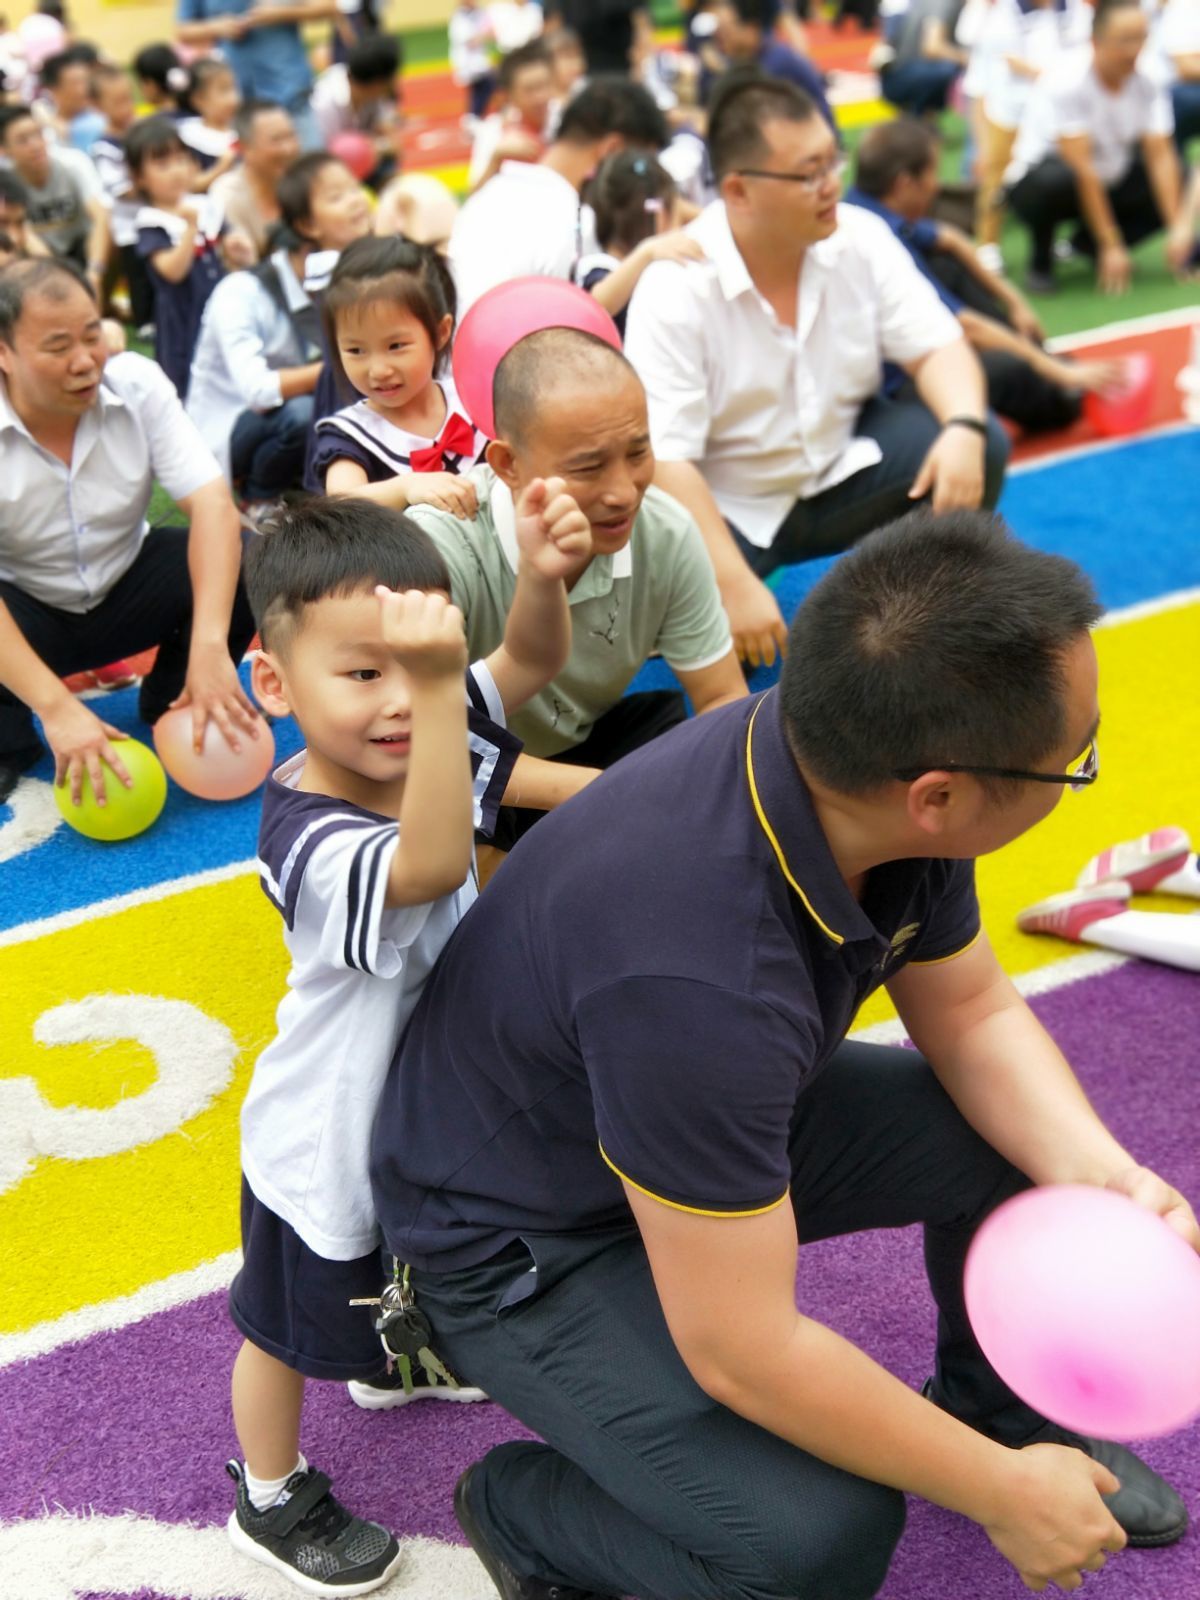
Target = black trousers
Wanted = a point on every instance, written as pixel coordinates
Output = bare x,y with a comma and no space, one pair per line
631,723
1048,196
150,605
644,1485
833,520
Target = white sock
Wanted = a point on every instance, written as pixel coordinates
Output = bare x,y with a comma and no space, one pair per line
266,1492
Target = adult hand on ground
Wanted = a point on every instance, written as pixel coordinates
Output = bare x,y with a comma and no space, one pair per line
79,742
1147,1189
1180,248
1051,1523
952,471
553,535
755,620
214,690
1114,270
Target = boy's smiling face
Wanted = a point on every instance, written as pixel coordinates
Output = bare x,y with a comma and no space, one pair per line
331,669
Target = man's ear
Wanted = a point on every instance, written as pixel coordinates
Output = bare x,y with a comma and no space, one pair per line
941,803
502,461
267,682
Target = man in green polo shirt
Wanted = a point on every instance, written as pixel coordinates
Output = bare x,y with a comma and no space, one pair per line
569,406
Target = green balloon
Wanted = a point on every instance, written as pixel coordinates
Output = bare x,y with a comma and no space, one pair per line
127,811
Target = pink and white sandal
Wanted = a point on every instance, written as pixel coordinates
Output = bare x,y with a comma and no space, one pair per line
1067,915
1141,863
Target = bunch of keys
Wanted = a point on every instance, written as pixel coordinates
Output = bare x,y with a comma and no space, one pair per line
405,1333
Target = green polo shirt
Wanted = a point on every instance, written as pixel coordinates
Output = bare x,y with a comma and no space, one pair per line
657,596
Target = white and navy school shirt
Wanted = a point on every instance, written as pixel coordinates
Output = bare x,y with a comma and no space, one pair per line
358,968
382,450
207,144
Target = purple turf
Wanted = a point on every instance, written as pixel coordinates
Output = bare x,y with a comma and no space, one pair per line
139,1419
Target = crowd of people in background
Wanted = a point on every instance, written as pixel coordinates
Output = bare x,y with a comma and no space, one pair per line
809,350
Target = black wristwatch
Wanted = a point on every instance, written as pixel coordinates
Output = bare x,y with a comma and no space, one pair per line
974,423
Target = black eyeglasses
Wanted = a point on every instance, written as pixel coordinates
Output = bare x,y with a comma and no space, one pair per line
1084,772
808,181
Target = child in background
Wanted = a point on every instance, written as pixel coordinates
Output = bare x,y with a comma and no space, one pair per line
182,238
471,36
366,850
114,98
389,317
212,102
162,78
636,205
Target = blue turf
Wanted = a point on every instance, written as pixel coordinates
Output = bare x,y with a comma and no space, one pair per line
1094,508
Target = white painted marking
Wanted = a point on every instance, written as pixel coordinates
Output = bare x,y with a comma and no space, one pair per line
59,1557
194,1054
23,932
1175,601
1098,447
34,818
1153,322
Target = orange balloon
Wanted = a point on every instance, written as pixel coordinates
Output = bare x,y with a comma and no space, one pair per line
217,772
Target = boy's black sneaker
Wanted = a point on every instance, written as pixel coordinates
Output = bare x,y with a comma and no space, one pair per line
311,1539
510,1586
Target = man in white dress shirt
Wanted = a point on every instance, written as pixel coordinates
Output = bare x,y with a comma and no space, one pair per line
1095,148
83,579
526,220
763,364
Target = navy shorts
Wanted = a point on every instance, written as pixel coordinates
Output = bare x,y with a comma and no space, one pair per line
294,1304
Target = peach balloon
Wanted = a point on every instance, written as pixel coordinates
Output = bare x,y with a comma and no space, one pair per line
217,772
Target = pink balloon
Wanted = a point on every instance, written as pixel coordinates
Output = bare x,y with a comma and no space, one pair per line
218,772
1127,406
1088,1306
41,37
355,151
503,317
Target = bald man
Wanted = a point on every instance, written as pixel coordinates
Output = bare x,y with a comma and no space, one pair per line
569,406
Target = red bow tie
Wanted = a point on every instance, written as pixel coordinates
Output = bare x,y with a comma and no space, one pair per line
458,437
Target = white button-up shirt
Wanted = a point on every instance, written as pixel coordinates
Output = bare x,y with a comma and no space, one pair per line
67,534
766,412
1069,99
245,339
524,222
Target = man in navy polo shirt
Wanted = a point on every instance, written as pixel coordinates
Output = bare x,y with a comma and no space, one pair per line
632,1055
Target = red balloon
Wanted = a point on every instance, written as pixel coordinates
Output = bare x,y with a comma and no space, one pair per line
356,151
503,317
218,772
1125,407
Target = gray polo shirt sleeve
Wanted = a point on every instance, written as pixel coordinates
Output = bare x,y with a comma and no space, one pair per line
464,546
695,629
694,1088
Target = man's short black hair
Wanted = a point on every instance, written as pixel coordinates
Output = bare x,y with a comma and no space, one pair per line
937,639
248,112
903,148
528,376
534,53
609,104
376,58
1106,8
314,547
12,189
743,102
10,115
760,13
78,55
48,275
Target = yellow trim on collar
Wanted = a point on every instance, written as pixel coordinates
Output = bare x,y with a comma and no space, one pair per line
775,845
954,954
692,1211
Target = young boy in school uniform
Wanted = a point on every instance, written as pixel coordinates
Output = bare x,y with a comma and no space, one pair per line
366,850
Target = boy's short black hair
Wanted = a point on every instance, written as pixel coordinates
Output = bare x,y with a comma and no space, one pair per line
936,639
10,116
314,547
904,148
74,56
149,137
12,189
744,101
609,104
376,58
534,53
